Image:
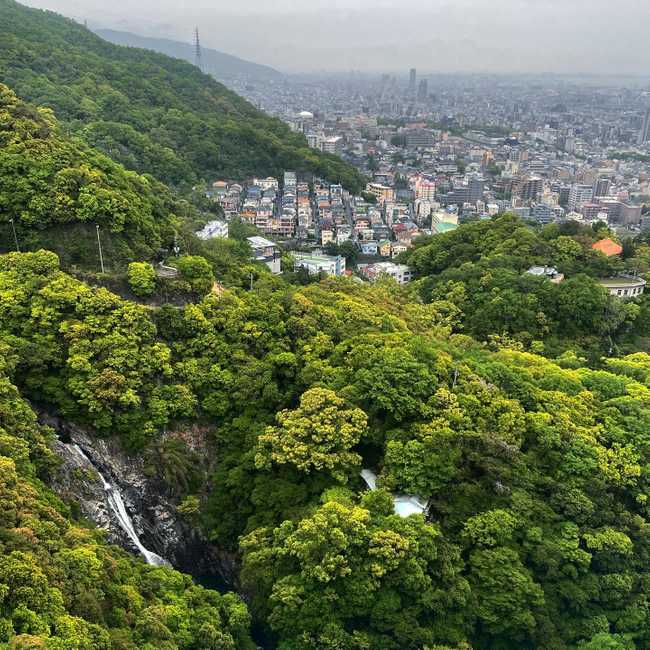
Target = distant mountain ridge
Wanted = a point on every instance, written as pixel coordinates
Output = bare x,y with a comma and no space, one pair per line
218,64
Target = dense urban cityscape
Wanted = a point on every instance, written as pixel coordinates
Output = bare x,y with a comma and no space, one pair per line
443,151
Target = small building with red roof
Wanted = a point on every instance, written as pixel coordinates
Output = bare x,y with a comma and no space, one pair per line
608,247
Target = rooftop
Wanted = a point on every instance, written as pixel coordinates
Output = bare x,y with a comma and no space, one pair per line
260,242
316,259
622,282
608,247
444,227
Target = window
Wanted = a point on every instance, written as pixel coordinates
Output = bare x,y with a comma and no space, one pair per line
618,292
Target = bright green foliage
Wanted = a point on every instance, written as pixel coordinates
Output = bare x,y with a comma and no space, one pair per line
535,472
316,436
101,359
347,578
481,267
152,113
197,272
52,183
62,587
142,278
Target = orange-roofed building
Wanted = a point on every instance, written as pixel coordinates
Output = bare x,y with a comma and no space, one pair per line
608,247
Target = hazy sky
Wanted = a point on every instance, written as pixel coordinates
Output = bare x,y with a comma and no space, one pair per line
563,36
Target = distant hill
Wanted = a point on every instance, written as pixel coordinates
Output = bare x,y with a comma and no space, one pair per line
150,112
218,64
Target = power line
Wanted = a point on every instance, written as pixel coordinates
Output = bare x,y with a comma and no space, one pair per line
13,227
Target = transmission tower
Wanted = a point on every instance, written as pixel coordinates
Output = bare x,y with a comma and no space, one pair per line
197,50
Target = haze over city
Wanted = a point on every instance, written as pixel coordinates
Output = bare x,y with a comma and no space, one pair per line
504,36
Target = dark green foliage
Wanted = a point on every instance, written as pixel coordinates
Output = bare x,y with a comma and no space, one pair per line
481,268
152,113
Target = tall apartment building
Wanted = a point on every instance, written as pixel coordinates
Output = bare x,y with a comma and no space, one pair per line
382,192
458,196
419,139
476,189
543,213
290,181
602,187
623,213
563,194
531,188
412,79
333,144
423,90
425,190
579,195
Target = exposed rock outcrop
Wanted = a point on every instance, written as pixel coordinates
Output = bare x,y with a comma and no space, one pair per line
152,512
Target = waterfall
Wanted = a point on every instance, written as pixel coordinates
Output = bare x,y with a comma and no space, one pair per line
403,504
370,478
116,504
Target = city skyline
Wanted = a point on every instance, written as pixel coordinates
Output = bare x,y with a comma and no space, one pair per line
505,36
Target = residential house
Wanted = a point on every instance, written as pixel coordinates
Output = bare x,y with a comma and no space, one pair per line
315,263
399,272
265,251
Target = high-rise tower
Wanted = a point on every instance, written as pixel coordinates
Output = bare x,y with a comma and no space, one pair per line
412,78
423,90
644,133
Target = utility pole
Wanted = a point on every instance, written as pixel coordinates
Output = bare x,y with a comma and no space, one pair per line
251,281
197,50
99,244
13,228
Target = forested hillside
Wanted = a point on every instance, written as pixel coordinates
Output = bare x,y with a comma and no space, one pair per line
56,189
287,419
481,268
63,587
535,471
218,64
152,113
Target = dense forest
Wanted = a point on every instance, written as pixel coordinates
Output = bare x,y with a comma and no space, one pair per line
513,410
63,587
57,189
481,269
149,112
534,470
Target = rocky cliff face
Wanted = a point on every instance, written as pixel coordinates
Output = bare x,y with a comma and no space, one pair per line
153,514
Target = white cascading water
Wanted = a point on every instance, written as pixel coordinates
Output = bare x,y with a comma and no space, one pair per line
404,504
116,503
